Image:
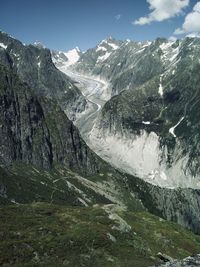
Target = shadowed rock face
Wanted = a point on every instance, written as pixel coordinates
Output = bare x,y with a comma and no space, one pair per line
33,65
30,132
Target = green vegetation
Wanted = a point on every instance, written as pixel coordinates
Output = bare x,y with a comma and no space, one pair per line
49,235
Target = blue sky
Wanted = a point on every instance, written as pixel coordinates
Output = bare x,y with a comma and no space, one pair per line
64,24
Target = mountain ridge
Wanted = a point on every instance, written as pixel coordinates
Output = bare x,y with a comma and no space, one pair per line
54,182
157,79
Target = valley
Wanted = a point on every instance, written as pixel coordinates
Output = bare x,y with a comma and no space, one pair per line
137,128
96,92
90,143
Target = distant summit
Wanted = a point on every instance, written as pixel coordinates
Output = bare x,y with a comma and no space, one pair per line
66,59
38,44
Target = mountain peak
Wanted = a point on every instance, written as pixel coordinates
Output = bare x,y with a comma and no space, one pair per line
38,44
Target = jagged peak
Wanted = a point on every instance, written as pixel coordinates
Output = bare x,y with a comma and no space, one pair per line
39,45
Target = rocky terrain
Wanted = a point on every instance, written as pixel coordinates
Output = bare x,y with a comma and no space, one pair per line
33,64
151,116
190,261
58,196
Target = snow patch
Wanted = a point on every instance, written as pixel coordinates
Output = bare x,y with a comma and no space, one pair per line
160,90
39,45
73,56
114,46
165,46
3,45
169,53
171,130
104,57
16,55
101,48
146,122
140,50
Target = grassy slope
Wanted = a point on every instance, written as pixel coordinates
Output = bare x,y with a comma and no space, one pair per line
49,235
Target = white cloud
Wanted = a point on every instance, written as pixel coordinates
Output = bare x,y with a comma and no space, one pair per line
172,39
191,24
162,10
194,35
118,17
179,31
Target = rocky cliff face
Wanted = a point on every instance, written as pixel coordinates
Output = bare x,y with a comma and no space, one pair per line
30,132
33,65
177,205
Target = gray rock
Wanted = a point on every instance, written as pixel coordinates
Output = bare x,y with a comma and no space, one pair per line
187,262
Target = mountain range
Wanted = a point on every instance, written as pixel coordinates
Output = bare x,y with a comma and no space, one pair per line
99,153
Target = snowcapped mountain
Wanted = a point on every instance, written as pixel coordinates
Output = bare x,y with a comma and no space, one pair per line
47,170
149,128
33,63
66,59
39,45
